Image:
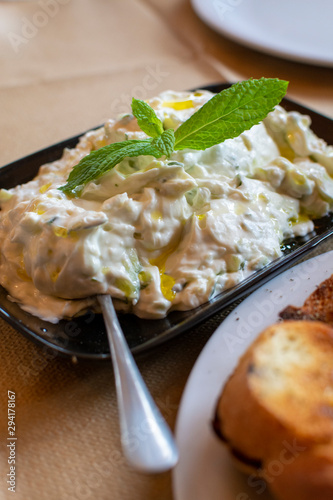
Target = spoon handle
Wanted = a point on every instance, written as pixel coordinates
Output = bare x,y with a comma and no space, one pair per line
147,441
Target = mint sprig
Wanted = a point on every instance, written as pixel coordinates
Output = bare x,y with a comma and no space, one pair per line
229,113
146,118
225,116
104,159
165,142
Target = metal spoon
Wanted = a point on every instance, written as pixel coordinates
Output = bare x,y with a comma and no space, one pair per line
147,441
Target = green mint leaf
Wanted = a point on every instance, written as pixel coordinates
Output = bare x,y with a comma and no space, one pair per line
224,116
229,113
104,159
147,119
165,143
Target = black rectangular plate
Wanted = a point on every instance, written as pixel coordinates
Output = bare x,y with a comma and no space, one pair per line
85,337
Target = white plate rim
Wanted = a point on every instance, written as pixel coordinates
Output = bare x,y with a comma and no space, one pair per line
199,448
205,10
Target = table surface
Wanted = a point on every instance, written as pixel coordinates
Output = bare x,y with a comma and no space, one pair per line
67,66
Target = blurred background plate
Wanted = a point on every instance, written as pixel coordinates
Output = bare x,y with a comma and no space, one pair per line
292,29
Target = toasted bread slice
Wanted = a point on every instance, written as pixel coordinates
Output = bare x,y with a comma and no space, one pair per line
307,475
278,403
317,307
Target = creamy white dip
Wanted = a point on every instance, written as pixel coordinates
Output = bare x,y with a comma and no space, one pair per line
162,234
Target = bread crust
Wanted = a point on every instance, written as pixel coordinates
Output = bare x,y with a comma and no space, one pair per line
308,477
317,307
277,408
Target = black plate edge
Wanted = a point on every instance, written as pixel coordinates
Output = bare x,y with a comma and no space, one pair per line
197,315
244,288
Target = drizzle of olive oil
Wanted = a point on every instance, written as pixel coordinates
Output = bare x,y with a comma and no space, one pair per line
178,105
167,281
45,187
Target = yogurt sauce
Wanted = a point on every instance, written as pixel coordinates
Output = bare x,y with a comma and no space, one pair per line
162,234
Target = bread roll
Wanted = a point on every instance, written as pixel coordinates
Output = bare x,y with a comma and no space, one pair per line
276,410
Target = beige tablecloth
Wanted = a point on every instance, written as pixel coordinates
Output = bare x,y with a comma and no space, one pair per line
66,66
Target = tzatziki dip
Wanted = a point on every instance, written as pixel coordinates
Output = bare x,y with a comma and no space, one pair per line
162,234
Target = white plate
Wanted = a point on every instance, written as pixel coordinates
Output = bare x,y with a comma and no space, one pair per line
294,29
205,471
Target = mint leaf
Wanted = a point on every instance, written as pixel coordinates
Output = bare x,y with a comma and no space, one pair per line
224,116
147,119
165,143
104,159
230,113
